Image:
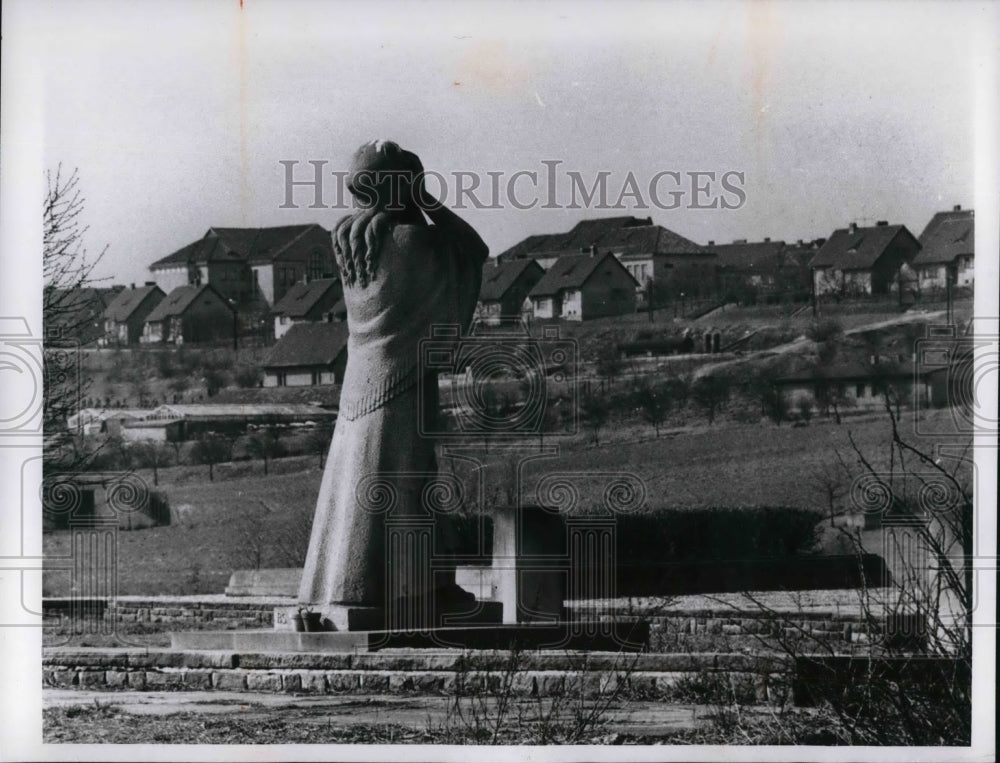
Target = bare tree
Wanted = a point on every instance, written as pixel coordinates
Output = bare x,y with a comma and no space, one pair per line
211,449
266,445
66,269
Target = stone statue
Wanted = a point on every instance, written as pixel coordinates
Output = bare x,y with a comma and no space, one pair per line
401,275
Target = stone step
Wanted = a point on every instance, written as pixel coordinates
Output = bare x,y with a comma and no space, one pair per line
622,636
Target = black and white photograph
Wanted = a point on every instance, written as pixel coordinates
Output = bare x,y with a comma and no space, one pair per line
579,380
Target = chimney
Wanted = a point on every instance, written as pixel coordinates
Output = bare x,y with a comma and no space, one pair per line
711,243
767,240
801,242
957,208
150,283
882,223
739,240
133,287
853,228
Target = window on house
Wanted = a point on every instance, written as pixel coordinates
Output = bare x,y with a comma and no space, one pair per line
859,390
316,265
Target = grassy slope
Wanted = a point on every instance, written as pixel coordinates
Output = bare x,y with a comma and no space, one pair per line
219,522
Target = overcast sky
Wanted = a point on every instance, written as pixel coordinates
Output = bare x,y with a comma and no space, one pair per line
177,115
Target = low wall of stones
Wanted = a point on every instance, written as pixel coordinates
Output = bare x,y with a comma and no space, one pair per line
538,674
685,630
180,613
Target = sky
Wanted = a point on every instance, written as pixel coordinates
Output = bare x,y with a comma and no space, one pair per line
177,115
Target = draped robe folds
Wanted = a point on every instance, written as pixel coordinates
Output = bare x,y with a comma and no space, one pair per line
424,277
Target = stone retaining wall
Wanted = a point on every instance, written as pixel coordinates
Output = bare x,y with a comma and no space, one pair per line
180,613
538,673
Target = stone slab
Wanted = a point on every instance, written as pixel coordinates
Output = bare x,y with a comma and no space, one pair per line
269,582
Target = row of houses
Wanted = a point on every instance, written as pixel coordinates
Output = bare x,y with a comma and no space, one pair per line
234,282
576,278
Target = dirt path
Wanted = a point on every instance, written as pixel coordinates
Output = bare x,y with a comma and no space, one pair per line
73,715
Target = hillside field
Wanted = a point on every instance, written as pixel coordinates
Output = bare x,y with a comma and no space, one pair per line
244,520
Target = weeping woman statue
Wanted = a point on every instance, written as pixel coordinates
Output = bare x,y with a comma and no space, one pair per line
407,263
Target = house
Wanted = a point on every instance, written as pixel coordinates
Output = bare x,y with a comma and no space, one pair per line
308,354
858,261
125,317
650,253
190,314
948,242
77,314
311,301
249,264
856,384
505,287
584,286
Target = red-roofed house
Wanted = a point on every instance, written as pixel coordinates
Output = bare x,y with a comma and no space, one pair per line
948,241
856,261
505,287
583,286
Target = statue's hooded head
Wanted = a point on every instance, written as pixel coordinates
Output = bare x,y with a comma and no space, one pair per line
382,174
380,179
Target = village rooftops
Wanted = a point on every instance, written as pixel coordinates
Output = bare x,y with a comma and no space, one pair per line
251,245
301,298
309,344
570,272
748,255
127,301
621,235
179,300
948,235
498,277
856,248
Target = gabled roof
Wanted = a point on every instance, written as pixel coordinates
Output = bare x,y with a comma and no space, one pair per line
498,278
749,255
622,235
858,248
129,300
252,245
309,344
948,235
571,272
179,300
301,298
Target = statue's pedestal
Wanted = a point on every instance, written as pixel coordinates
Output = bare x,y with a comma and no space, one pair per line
345,617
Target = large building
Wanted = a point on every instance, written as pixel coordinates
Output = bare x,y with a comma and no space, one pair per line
650,253
584,286
857,261
947,243
249,264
